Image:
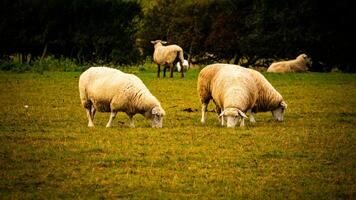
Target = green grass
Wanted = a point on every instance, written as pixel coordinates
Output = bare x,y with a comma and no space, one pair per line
46,150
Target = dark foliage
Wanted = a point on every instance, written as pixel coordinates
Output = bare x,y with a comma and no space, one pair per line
250,33
254,33
88,30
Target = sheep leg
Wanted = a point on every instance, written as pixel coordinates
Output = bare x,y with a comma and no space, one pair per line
171,68
89,115
93,110
112,116
242,124
218,111
182,69
132,124
204,107
159,70
252,119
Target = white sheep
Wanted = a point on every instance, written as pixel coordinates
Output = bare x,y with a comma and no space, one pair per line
185,65
269,99
300,64
236,90
167,56
105,89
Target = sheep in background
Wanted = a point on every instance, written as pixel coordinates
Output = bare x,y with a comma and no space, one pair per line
185,65
105,89
167,56
300,64
237,90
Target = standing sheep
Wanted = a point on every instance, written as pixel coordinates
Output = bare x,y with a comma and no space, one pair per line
300,64
237,90
110,90
167,56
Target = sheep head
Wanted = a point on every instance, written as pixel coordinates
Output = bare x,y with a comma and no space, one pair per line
233,115
279,111
158,43
304,58
157,114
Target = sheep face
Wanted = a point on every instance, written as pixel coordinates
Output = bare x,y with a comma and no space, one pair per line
158,41
232,115
157,114
279,112
307,60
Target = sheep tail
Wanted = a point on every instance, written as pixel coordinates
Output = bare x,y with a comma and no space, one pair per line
181,57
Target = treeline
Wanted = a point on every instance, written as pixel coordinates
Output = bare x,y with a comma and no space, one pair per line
87,30
250,33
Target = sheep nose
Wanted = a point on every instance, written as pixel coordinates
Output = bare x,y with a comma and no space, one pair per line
230,126
156,125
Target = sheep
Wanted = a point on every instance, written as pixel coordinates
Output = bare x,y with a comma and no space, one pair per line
167,56
106,89
269,99
185,65
236,90
300,64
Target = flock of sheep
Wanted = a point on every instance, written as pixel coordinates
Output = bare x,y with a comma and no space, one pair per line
235,90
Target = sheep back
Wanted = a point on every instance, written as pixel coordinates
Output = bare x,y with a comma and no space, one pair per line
164,55
228,85
260,91
268,97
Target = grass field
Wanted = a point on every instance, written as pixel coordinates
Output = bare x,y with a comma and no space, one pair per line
47,151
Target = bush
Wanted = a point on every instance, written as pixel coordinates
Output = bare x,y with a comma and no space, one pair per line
49,63
8,65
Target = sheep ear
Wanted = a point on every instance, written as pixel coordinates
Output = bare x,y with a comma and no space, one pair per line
153,42
158,111
163,42
222,114
242,114
284,104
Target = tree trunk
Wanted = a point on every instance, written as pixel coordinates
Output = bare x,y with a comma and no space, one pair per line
44,52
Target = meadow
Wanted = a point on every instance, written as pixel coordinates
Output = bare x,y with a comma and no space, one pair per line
48,152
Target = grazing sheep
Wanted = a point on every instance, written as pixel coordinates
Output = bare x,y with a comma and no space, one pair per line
110,90
236,90
167,56
300,64
185,65
269,99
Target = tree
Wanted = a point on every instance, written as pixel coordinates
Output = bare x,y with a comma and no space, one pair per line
89,30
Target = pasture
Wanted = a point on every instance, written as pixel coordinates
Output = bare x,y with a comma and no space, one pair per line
47,150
